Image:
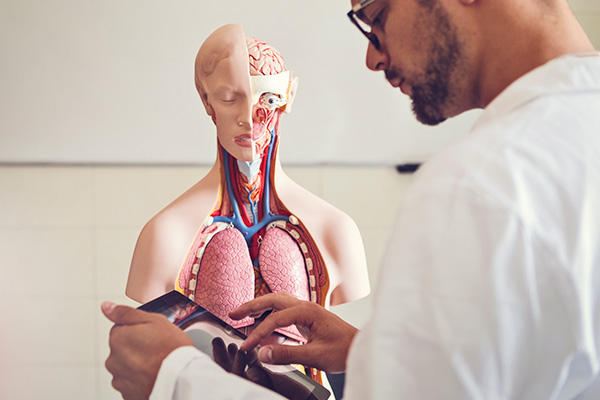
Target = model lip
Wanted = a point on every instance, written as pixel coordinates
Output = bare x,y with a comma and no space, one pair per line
243,140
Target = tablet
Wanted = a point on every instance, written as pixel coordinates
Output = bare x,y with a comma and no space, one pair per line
202,327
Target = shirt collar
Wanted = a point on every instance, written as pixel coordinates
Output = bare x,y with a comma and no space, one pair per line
565,75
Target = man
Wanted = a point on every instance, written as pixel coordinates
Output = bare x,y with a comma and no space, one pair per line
490,290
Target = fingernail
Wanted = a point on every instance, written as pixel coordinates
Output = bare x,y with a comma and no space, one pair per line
108,306
265,354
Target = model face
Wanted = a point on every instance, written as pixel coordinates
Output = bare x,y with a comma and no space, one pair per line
228,94
420,53
244,87
242,127
244,117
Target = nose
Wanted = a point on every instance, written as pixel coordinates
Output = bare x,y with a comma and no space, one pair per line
245,115
377,59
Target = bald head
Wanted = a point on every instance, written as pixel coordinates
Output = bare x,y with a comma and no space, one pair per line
228,41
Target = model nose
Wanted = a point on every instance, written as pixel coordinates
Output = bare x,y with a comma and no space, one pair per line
245,115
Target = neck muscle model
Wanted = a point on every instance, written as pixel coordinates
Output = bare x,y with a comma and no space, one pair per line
238,255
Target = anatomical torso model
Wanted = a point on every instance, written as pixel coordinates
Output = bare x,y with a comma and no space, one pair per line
252,229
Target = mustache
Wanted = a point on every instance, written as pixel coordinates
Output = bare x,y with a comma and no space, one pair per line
391,74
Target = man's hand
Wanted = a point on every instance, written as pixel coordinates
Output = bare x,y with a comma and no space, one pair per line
241,363
139,342
329,337
235,361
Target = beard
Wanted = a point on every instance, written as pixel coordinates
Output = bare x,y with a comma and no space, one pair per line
430,99
432,89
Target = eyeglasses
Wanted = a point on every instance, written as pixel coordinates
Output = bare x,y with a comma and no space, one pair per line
357,17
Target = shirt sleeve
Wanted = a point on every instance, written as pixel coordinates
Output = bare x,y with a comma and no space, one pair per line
188,374
470,303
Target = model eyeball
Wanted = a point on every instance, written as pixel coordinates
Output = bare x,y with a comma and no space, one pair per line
271,101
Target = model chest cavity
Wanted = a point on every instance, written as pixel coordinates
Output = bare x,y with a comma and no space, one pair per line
224,274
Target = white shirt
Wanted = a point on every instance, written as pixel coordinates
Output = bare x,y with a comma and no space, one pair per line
491,282
188,374
490,287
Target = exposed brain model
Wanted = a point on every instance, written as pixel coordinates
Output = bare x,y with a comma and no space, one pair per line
253,230
264,59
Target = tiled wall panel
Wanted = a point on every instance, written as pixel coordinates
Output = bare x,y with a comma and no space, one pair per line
66,239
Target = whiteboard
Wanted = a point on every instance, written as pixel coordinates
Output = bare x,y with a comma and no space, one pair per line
111,81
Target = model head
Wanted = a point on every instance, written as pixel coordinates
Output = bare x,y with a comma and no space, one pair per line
244,86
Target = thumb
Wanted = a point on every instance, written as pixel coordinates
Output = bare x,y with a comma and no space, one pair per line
124,315
283,354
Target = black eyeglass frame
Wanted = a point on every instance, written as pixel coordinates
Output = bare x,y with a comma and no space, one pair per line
353,17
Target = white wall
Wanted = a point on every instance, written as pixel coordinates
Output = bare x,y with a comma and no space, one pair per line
66,238
112,81
67,233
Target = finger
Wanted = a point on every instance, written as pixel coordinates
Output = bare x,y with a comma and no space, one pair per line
111,365
220,354
115,367
260,376
239,363
271,301
232,349
285,354
252,358
124,315
280,319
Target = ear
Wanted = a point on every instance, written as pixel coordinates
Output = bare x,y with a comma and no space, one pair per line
293,88
209,109
206,104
